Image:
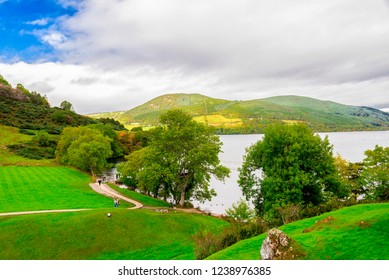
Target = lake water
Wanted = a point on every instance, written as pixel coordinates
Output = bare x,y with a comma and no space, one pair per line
350,145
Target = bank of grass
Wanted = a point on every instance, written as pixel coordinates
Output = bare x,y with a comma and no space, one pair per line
359,232
144,199
127,234
46,188
11,136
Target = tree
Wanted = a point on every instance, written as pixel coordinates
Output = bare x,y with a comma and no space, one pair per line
84,148
350,176
240,211
375,173
43,139
4,81
66,105
290,166
180,159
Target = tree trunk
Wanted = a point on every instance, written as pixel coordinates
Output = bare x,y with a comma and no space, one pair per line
182,199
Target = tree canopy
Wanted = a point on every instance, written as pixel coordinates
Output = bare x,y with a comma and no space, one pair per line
375,173
289,166
66,105
84,148
179,161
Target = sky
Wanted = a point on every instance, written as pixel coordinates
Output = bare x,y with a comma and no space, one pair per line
114,55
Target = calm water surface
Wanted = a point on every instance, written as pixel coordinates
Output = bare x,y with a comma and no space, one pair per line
350,145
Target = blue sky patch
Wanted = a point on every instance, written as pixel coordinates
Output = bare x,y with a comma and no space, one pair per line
20,23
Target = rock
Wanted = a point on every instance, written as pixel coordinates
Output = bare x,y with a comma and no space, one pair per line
279,246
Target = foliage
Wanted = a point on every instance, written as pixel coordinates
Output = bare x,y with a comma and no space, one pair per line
375,173
84,148
350,176
108,130
66,105
179,160
208,243
43,139
290,166
4,81
35,97
240,211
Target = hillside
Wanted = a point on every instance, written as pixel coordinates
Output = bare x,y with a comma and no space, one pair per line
253,116
29,110
359,232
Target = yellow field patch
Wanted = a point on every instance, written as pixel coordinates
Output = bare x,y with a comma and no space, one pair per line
219,121
293,122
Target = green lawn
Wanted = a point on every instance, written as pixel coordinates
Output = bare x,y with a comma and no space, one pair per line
127,234
360,232
43,188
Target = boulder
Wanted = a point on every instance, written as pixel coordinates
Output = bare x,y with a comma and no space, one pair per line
279,246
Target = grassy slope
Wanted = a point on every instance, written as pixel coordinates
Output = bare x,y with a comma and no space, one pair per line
346,238
41,188
128,234
321,115
11,135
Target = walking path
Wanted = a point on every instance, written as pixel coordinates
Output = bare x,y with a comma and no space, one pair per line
104,190
107,191
42,212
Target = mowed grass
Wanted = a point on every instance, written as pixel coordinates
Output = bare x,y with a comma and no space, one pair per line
47,188
360,232
127,234
11,135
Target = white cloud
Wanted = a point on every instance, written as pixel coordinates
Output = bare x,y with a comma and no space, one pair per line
39,22
123,53
55,39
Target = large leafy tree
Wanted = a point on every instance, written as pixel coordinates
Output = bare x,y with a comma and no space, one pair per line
85,148
181,158
290,166
375,173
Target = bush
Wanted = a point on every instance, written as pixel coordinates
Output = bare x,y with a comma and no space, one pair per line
208,243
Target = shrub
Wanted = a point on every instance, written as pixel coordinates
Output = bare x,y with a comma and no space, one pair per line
208,243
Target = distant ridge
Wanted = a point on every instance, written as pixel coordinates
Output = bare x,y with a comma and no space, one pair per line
253,116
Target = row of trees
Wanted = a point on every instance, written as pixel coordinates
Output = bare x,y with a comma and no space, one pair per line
291,168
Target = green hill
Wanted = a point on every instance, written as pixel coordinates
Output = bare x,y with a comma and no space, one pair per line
359,232
253,116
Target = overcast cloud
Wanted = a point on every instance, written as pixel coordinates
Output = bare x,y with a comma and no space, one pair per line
117,54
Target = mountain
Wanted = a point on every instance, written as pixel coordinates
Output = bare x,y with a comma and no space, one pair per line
252,116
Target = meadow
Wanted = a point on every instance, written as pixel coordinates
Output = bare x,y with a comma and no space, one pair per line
360,232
